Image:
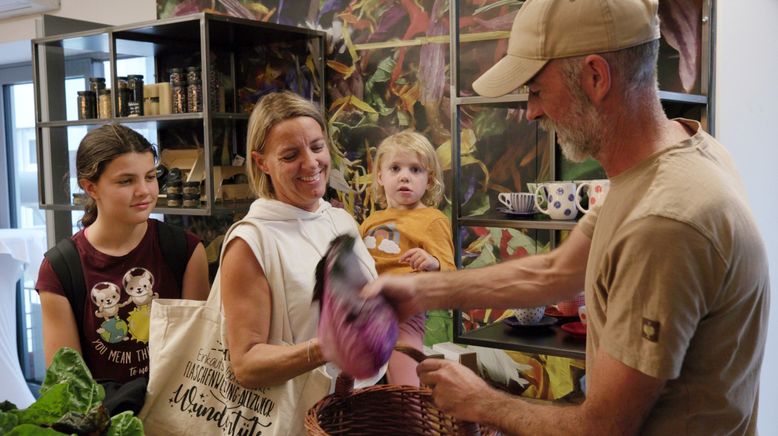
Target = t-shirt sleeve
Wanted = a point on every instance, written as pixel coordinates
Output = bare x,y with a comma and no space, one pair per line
191,243
48,279
439,243
661,277
588,221
250,234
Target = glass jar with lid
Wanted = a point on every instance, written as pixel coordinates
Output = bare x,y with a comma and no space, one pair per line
87,105
104,103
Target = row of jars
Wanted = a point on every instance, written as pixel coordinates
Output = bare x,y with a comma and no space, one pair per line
187,88
183,93
95,102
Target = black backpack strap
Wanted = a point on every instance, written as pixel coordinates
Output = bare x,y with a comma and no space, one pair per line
172,241
66,263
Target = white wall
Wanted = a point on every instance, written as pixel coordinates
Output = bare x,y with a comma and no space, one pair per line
112,12
746,114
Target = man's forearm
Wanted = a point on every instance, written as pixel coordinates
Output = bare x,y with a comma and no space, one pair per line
516,416
525,282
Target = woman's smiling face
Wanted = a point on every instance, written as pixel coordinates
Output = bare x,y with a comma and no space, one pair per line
297,160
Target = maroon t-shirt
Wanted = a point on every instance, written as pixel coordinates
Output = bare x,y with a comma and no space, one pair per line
119,291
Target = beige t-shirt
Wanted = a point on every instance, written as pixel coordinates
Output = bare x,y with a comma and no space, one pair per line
677,286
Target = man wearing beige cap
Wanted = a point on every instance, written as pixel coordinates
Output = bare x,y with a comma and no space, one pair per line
672,265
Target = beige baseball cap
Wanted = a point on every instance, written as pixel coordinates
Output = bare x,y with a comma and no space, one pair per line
552,29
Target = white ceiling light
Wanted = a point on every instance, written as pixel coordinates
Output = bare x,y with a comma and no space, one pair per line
15,8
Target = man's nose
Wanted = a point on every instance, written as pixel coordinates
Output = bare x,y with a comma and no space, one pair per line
534,111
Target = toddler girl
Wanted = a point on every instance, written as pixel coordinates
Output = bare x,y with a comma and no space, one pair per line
410,234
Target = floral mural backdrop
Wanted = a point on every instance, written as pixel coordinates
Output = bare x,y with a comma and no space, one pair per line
388,69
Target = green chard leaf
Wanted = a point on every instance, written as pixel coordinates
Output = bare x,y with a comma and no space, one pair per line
32,430
68,367
68,387
7,422
48,408
94,422
125,424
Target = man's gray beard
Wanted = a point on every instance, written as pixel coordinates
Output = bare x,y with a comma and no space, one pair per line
581,135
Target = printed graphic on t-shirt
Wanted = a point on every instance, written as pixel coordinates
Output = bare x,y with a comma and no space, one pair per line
650,330
138,285
384,238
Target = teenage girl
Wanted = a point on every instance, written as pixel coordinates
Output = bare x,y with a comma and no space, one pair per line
121,259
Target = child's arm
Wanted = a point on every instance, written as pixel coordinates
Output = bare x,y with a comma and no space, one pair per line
420,260
438,243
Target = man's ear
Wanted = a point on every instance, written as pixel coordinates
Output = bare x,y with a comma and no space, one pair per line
259,161
596,78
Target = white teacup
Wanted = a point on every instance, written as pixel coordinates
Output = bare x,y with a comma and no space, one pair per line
582,314
560,198
529,315
597,190
519,202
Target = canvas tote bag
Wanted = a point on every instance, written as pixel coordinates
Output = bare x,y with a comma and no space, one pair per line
192,389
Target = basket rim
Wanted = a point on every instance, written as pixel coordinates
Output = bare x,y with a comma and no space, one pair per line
424,394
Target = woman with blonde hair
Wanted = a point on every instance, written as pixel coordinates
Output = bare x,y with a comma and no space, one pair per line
268,264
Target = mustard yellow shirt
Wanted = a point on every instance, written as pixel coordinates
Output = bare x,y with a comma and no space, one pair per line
391,232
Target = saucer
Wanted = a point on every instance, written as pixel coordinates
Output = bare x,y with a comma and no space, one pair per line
545,322
576,329
505,210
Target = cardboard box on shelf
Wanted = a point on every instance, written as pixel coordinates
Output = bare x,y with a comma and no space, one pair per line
239,191
229,192
189,160
192,164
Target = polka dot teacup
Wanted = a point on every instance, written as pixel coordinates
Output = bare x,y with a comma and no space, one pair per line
529,315
560,200
596,190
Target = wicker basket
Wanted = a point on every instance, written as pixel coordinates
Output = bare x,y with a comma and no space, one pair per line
383,410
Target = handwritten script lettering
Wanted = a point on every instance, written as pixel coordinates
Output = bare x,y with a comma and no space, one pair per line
230,420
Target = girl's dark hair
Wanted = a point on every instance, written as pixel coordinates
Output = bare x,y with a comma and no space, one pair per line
99,148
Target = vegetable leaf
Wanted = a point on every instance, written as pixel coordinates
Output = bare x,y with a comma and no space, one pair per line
32,430
125,424
69,368
7,422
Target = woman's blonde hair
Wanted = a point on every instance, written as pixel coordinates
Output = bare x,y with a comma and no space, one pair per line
418,144
271,110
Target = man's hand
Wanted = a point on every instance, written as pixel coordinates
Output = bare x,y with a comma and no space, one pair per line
456,390
420,260
399,291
